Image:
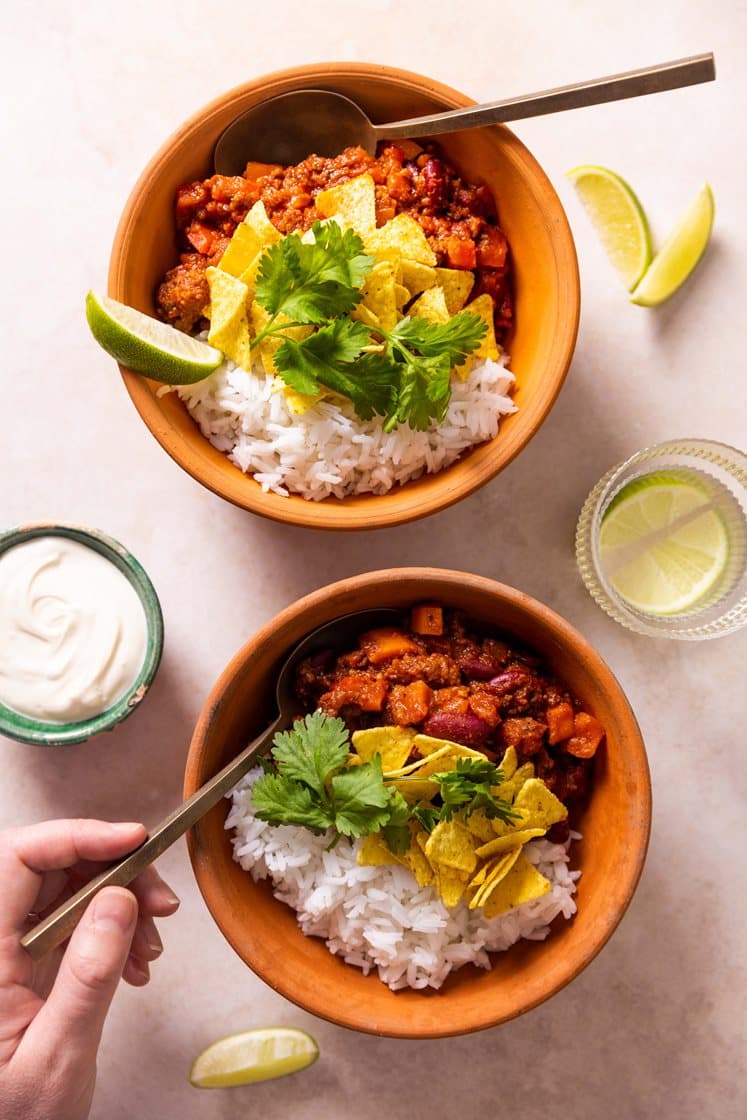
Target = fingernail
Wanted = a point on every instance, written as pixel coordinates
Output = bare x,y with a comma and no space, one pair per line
154,943
140,969
124,826
114,910
170,899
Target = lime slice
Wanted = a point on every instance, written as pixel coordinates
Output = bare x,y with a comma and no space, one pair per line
145,345
618,218
680,252
662,545
256,1055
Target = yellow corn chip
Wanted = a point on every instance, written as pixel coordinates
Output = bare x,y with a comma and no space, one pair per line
521,884
457,284
404,234
496,870
401,296
539,805
488,348
374,851
508,842
450,886
414,789
269,346
354,203
431,305
229,326
427,745
392,743
416,277
508,763
258,221
451,845
480,825
379,294
364,315
242,249
414,858
508,790
250,273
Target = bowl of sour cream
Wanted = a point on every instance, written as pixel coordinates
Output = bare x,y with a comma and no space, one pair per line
81,633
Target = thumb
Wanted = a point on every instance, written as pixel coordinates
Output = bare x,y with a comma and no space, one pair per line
88,977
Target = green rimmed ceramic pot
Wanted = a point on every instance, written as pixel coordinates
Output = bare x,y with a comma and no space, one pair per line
27,729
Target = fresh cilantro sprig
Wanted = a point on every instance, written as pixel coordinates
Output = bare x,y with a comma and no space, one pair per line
401,374
464,790
310,786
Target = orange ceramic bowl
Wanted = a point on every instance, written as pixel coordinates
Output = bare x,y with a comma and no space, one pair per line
615,824
546,288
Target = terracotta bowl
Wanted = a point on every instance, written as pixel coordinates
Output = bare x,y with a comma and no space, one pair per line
546,288
615,825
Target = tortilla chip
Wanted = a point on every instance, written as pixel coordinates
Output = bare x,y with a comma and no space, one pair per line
427,745
229,325
353,203
269,346
431,305
451,845
488,348
258,221
393,744
480,825
401,297
414,858
379,294
364,315
416,277
457,284
250,273
509,789
508,763
404,234
495,871
414,789
522,884
374,851
539,806
508,842
242,249
450,886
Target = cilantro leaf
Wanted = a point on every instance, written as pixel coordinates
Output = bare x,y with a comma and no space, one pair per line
316,281
470,787
427,815
333,357
424,393
311,750
456,339
281,801
396,831
360,799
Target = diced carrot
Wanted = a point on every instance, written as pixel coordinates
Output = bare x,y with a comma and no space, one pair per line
587,735
410,703
386,644
559,723
369,693
461,252
256,170
426,618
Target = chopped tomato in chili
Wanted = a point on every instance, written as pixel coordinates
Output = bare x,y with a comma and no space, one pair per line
459,219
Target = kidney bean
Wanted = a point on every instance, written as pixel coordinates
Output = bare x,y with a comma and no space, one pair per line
434,182
476,667
466,729
508,681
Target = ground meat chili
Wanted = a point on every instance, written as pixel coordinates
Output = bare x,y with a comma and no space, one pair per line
448,677
459,219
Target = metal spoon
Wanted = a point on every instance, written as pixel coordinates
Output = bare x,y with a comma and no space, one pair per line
58,926
288,128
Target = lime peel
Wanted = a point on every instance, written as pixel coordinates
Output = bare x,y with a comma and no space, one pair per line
148,346
679,254
618,218
247,1057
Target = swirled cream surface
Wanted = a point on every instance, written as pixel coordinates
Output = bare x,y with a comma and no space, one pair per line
73,632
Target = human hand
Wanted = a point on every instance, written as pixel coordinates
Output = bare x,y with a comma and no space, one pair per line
52,1014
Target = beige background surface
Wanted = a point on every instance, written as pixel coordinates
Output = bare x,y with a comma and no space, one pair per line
655,1027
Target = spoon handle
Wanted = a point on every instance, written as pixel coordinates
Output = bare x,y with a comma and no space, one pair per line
632,83
57,926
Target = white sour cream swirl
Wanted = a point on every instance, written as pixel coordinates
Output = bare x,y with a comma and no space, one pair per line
73,632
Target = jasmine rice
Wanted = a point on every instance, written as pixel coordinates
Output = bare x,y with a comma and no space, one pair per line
378,917
328,450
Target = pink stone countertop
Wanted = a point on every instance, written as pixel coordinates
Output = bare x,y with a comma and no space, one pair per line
655,1026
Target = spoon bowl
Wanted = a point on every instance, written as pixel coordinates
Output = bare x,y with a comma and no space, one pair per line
287,128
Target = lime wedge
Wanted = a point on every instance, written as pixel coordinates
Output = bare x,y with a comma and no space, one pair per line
256,1055
662,545
680,252
145,345
618,218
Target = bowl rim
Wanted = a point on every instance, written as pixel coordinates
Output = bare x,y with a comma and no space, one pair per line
46,733
622,889
365,511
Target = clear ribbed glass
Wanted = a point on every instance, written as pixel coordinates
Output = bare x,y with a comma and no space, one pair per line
724,469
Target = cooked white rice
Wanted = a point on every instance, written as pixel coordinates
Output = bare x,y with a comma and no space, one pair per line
378,917
328,450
